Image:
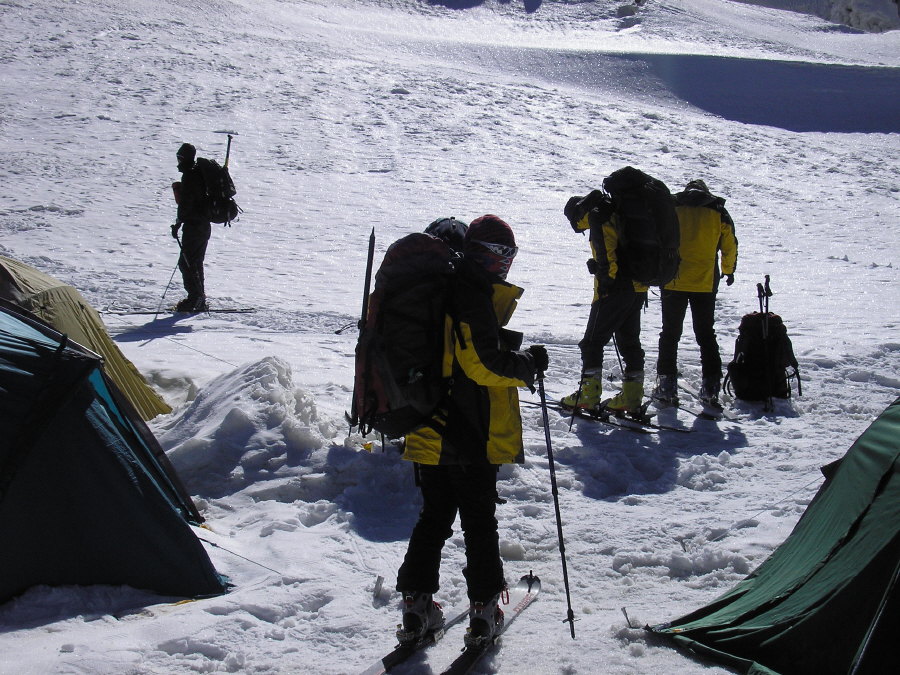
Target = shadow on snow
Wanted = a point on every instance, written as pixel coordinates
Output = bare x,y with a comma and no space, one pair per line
616,463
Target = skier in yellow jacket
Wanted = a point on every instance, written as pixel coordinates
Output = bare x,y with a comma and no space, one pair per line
478,428
706,230
615,311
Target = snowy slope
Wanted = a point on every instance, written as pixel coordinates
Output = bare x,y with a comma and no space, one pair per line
388,114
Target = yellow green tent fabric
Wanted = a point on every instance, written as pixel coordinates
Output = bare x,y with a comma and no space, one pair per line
827,600
64,308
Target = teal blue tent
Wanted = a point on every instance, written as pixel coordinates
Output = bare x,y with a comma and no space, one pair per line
87,496
826,601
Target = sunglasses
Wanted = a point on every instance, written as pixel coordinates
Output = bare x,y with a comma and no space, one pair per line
498,249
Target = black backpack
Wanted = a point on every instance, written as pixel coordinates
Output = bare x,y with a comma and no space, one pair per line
220,191
649,231
764,361
399,356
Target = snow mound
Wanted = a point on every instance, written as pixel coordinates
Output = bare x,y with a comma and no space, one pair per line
250,425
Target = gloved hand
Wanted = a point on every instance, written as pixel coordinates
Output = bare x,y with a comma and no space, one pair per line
605,284
175,230
729,279
540,356
592,266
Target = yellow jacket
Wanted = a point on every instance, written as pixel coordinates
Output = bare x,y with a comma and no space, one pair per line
480,419
606,254
704,232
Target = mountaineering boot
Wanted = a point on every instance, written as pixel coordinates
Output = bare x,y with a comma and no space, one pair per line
631,397
666,392
709,392
421,615
588,394
485,622
195,304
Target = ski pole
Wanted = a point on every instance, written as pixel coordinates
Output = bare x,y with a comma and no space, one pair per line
163,298
767,290
577,398
589,337
762,293
618,355
570,615
353,419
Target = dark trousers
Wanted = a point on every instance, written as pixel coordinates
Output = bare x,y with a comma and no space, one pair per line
703,311
194,239
470,490
619,314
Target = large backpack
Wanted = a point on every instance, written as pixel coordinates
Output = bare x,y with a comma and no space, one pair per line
764,361
649,232
220,191
399,356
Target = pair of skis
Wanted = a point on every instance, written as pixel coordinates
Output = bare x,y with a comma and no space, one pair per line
172,310
520,597
695,406
640,424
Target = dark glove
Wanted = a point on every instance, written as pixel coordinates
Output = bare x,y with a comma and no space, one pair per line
175,230
541,359
729,279
592,266
605,284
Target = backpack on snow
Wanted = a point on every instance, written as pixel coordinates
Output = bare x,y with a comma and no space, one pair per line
649,230
764,363
399,381
220,191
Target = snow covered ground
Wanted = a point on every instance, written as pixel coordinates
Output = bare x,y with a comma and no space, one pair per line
390,113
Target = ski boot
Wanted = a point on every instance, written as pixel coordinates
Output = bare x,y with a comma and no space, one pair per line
588,393
192,305
628,403
665,395
421,616
485,623
709,393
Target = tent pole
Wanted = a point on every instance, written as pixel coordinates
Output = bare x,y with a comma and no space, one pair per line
857,660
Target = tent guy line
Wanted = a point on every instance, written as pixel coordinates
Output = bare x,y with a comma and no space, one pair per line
765,509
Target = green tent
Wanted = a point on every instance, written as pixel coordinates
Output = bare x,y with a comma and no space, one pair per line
65,309
826,601
87,496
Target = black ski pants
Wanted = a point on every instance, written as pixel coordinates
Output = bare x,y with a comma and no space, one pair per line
471,491
194,239
617,313
703,312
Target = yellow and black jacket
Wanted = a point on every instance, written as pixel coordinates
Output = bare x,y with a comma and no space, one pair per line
480,421
604,236
706,228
